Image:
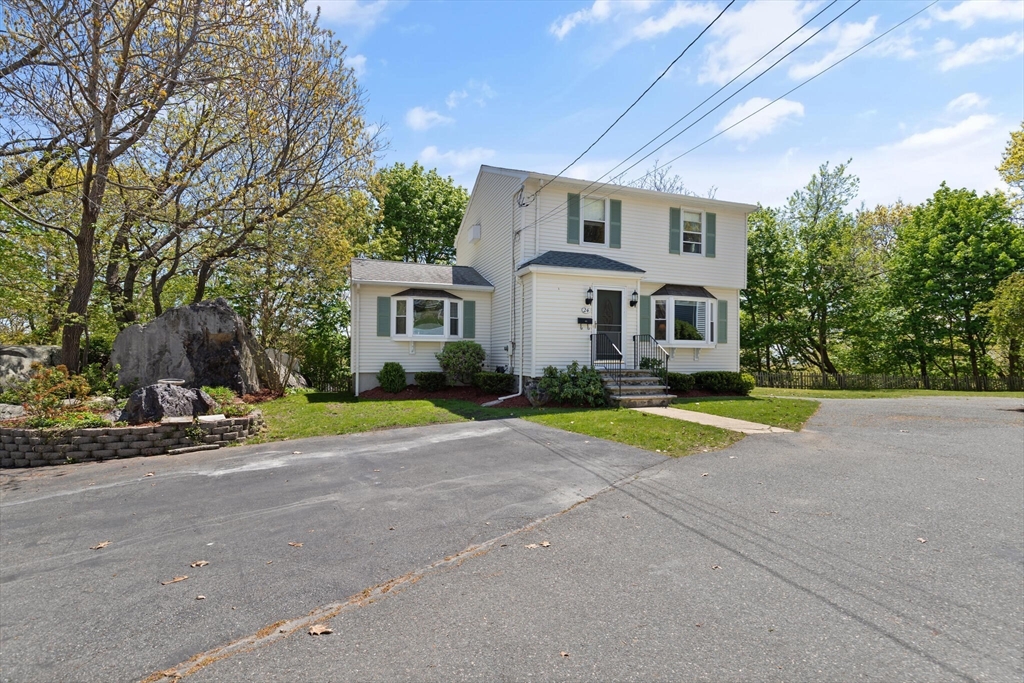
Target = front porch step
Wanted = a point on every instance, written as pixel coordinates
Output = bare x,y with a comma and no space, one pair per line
635,389
641,400
607,372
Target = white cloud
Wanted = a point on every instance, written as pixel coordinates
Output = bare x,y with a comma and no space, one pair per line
420,118
949,135
760,124
358,65
966,102
944,45
364,15
457,159
599,12
743,35
479,92
984,50
966,13
679,14
845,38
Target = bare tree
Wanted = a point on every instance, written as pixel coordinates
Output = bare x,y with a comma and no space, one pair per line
661,179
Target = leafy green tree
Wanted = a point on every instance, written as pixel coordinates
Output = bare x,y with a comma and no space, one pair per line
769,294
949,257
420,214
1006,315
1011,170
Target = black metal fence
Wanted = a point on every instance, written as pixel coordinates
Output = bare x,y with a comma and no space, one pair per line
333,382
813,380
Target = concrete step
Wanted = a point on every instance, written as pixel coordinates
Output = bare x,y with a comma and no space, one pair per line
635,379
632,389
642,400
625,372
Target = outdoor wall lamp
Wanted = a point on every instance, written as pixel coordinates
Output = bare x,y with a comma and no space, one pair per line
590,295
634,299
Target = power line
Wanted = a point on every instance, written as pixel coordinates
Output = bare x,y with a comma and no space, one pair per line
647,90
717,106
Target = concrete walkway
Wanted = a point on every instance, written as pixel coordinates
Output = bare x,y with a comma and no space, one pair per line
729,423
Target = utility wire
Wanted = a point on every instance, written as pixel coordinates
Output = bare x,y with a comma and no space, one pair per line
647,90
717,106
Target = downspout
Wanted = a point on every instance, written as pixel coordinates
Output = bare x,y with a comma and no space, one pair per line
512,295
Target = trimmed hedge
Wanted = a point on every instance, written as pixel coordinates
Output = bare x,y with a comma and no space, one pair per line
677,381
577,385
461,360
391,378
431,381
734,383
495,382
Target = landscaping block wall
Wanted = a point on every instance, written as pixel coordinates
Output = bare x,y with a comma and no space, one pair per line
39,447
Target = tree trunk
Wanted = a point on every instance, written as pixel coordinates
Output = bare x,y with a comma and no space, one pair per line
78,305
1014,357
972,348
205,270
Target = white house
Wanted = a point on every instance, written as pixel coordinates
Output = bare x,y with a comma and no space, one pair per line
555,270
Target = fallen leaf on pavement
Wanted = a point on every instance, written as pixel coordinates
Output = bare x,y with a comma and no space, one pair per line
544,544
531,545
773,512
176,579
704,475
294,544
199,563
923,540
391,528
376,470
271,562
150,474
100,546
296,452
319,630
716,566
564,653
200,597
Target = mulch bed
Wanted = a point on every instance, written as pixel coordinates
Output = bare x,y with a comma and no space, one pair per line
415,393
261,396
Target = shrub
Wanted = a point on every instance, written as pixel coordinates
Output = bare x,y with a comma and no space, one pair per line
655,365
44,393
461,360
77,420
431,381
685,330
495,382
677,381
235,409
391,378
228,402
576,385
221,395
722,382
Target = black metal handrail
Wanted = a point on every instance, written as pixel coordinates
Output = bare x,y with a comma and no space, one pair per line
604,350
648,354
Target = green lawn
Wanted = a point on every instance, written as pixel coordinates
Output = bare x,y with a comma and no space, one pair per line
788,413
880,393
313,414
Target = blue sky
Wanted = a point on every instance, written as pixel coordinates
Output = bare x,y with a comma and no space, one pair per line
530,84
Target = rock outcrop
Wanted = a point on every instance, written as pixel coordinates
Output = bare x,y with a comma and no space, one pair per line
204,344
16,361
287,369
157,401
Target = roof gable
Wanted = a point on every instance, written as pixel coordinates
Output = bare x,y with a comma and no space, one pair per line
400,272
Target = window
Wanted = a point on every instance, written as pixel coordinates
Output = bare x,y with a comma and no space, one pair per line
594,222
660,319
692,232
453,319
431,318
400,308
685,321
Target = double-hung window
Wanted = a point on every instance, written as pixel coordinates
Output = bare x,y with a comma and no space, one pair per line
595,221
693,233
420,317
684,321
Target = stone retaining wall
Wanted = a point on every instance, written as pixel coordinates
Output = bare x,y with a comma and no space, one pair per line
39,447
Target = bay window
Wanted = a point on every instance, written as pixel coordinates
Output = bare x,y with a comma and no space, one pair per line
426,317
680,321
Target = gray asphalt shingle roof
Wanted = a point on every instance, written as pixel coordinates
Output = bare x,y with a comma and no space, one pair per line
571,259
371,270
684,290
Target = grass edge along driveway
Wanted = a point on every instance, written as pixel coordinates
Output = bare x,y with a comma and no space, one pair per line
303,415
763,392
788,413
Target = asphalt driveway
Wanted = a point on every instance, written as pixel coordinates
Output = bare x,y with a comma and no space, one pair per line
365,508
884,542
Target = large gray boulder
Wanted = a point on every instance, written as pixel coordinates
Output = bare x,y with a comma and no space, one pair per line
287,369
204,344
16,362
157,401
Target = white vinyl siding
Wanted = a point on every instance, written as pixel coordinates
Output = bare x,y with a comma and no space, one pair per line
645,237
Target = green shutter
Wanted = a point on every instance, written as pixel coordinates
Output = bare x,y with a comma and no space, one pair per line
723,321
469,320
645,314
572,234
615,233
383,316
709,233
674,227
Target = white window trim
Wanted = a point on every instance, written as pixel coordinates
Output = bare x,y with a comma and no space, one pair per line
682,231
409,335
607,222
711,319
